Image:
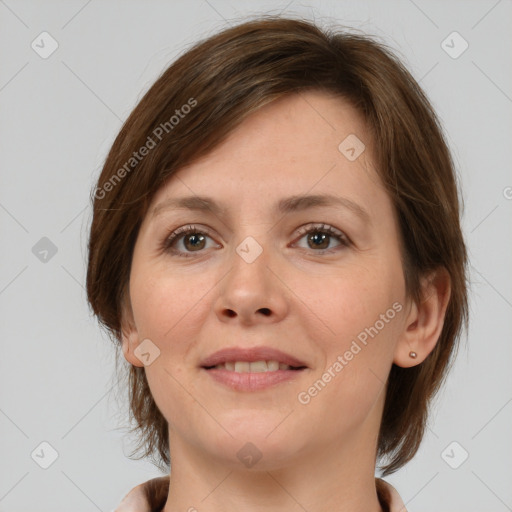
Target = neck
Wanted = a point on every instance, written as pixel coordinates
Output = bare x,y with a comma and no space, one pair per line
339,478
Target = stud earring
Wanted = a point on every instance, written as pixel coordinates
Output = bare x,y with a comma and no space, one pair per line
413,354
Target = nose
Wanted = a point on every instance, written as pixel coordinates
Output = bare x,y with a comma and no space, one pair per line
252,291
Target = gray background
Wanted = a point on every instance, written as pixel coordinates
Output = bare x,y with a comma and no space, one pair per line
60,115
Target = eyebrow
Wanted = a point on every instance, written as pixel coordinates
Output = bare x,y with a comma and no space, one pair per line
286,205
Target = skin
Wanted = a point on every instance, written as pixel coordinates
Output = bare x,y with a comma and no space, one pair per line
316,456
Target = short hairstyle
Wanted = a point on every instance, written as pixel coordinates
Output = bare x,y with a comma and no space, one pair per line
201,98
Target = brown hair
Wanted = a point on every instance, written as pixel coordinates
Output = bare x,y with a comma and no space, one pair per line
220,81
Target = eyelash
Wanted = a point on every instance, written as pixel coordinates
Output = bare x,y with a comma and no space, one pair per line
321,228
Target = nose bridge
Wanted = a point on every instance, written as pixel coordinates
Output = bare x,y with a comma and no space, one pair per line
250,289
249,266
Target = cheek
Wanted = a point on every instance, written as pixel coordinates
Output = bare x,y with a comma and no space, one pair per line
154,305
362,310
168,309
363,313
342,305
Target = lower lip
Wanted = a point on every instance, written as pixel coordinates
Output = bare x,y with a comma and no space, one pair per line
252,381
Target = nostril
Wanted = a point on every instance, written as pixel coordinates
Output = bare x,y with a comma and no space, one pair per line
265,311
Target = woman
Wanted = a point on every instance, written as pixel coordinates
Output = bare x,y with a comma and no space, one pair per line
276,247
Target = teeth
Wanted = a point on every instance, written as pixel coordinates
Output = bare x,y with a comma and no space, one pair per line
273,366
256,366
253,367
242,367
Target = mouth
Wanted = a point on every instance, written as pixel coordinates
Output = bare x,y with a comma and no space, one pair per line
252,360
252,369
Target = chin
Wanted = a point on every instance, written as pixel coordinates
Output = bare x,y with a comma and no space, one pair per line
258,441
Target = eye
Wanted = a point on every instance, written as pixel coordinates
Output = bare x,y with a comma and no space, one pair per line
320,236
191,238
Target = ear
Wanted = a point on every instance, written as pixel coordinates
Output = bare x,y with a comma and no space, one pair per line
129,333
425,320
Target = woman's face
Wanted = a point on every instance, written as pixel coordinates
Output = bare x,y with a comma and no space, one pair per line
267,269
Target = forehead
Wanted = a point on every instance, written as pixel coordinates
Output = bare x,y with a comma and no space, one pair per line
308,142
296,126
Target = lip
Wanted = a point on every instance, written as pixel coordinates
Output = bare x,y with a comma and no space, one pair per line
251,381
251,355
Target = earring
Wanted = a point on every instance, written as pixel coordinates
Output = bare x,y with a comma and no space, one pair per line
413,354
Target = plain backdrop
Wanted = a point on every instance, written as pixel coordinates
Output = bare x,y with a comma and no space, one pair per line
59,114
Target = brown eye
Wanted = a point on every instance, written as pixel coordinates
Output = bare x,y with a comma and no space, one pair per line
319,238
186,240
194,242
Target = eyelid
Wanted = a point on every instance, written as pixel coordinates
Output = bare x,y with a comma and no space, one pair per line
176,234
326,228
344,241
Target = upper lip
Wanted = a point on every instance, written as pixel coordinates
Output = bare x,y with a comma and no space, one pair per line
232,354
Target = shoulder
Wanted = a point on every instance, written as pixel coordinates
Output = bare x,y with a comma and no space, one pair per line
389,495
149,496
152,495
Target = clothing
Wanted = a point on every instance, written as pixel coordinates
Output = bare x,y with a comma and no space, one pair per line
152,495
389,497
